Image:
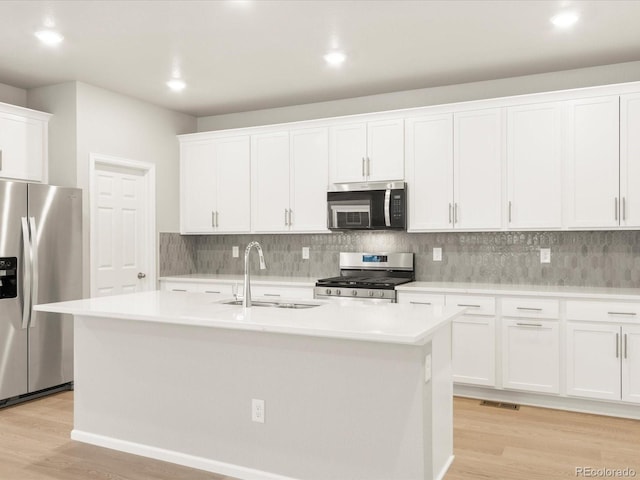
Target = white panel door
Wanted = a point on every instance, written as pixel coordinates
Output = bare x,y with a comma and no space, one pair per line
630,160
429,169
531,355
592,162
385,150
309,179
534,166
593,360
478,166
348,151
232,184
197,187
270,182
22,148
473,343
120,218
630,363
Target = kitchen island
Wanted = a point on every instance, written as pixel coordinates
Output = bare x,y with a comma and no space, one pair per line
349,392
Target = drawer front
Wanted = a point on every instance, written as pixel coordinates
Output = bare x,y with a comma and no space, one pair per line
475,304
530,307
603,311
220,288
303,293
419,298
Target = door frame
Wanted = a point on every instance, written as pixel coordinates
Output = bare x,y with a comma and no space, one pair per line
149,177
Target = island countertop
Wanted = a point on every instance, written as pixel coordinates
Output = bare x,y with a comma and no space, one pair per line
388,323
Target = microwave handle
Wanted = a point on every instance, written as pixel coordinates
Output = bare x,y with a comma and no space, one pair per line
387,207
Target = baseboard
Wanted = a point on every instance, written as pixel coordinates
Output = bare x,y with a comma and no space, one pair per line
186,460
557,402
445,468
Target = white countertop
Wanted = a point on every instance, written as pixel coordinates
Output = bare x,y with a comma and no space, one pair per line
255,279
595,293
387,323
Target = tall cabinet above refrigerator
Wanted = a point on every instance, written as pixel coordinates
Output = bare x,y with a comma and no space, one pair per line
40,262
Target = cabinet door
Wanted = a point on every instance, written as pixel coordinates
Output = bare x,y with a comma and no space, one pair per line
631,363
630,160
23,148
348,152
531,355
593,360
309,178
197,187
429,167
270,182
592,163
478,160
473,339
233,184
534,166
385,150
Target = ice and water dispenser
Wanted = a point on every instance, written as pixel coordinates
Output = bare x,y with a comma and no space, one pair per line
8,277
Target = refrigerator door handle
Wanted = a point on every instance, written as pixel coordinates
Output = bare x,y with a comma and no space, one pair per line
34,264
26,277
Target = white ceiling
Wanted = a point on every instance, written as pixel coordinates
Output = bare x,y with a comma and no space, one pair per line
253,54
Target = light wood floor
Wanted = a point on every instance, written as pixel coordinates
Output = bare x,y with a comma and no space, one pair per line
490,443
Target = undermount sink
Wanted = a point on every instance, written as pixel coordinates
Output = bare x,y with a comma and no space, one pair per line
258,303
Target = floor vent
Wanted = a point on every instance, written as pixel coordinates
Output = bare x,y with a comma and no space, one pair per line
508,406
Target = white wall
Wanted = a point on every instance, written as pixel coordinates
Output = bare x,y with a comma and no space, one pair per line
583,77
60,100
13,95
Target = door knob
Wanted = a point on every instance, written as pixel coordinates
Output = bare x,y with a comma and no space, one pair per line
142,275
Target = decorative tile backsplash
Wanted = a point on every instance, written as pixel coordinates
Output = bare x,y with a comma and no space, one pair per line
596,259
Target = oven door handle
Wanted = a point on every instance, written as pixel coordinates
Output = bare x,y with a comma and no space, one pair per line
387,207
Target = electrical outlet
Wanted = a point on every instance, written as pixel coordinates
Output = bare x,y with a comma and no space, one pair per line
257,410
545,255
235,251
437,254
305,253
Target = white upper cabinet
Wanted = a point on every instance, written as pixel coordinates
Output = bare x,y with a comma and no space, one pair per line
23,144
429,168
592,163
478,166
289,181
309,179
368,151
534,166
215,185
270,182
630,160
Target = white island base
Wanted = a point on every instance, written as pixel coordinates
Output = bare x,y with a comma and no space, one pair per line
335,408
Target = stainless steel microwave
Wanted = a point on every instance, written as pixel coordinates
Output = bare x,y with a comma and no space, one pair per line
367,206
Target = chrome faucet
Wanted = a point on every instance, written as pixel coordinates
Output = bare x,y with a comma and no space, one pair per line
246,300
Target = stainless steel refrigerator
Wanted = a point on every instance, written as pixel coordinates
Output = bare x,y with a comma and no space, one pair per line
40,262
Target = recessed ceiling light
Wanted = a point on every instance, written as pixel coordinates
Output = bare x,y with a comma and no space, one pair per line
335,58
49,37
176,84
565,19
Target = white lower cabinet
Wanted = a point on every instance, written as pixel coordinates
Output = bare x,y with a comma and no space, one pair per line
531,355
631,363
473,361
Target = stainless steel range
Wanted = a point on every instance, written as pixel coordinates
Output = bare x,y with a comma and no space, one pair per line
367,276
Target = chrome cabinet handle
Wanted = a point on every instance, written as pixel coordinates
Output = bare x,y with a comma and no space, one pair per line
368,167
213,219
455,213
625,345
449,212
290,220
217,214
178,290
286,220
420,303
212,291
467,305
271,295
615,209
363,175
509,211
622,313
624,208
529,309
529,324
617,345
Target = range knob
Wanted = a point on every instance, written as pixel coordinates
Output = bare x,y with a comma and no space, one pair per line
338,292
371,292
354,292
381,294
328,291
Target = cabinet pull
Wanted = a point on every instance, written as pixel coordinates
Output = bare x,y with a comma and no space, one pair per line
213,219
449,213
290,221
363,167
455,213
420,303
178,290
368,167
624,208
529,309
625,345
271,295
622,313
217,218
617,345
509,211
529,324
468,305
286,221
615,209
212,291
